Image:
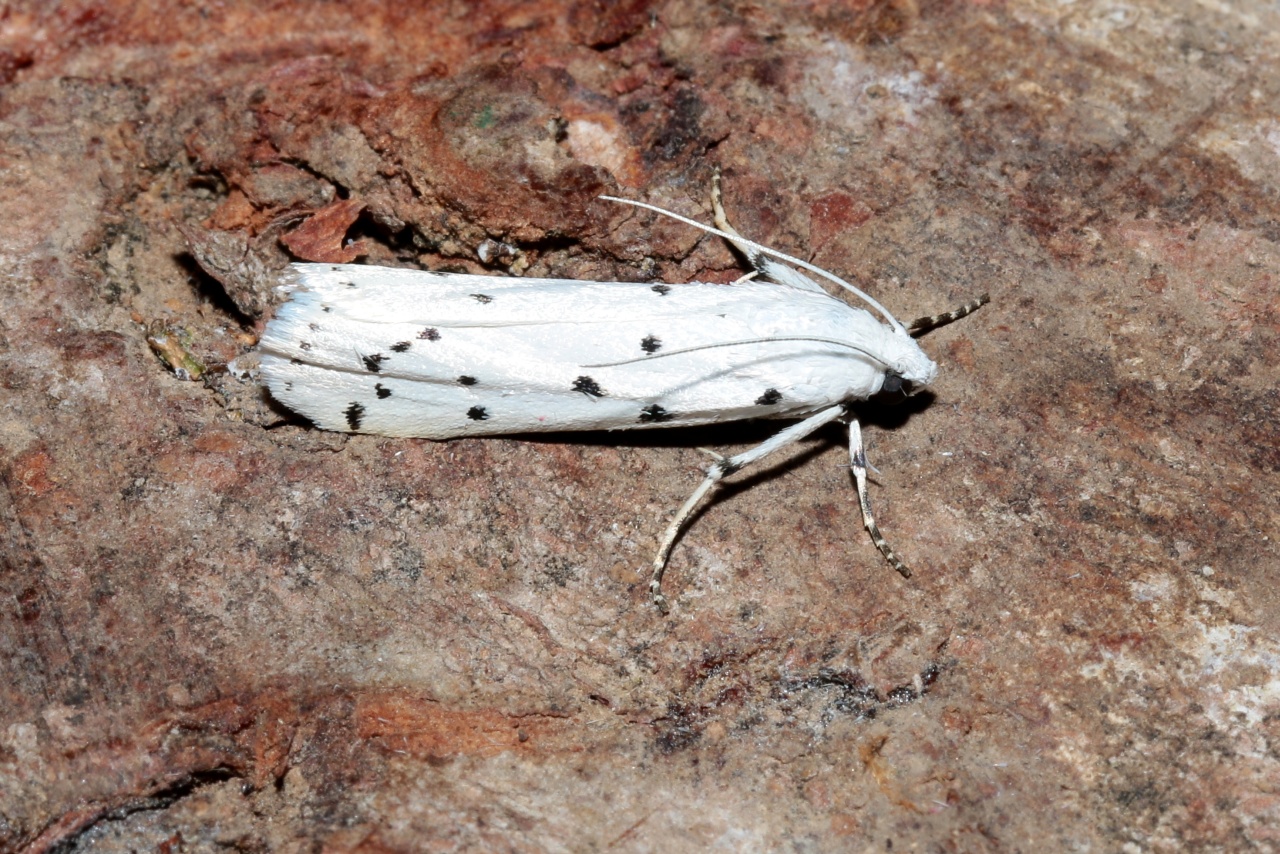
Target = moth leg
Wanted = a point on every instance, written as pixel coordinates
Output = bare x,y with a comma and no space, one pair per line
717,205
858,462
760,263
716,472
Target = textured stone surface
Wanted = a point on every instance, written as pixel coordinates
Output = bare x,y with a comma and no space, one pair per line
221,628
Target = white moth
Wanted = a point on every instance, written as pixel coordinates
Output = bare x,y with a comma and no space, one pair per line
398,352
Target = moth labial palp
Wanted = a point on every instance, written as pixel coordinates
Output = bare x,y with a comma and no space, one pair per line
409,353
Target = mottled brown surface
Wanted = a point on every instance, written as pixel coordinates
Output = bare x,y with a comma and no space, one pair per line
221,629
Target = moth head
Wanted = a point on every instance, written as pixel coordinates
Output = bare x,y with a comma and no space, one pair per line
909,372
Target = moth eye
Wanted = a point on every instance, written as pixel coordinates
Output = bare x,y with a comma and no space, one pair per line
893,383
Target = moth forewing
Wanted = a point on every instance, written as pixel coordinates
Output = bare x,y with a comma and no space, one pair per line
409,353
554,355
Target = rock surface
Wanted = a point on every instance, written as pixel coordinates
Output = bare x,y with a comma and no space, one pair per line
222,628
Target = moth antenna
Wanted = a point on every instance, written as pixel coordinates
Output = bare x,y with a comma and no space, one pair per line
742,241
745,342
921,325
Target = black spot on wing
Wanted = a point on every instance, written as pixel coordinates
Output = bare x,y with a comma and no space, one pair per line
429,334
588,386
374,362
661,290
314,327
478,413
466,380
304,345
483,299
650,344
382,391
769,398
354,414
326,308
654,414
400,346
